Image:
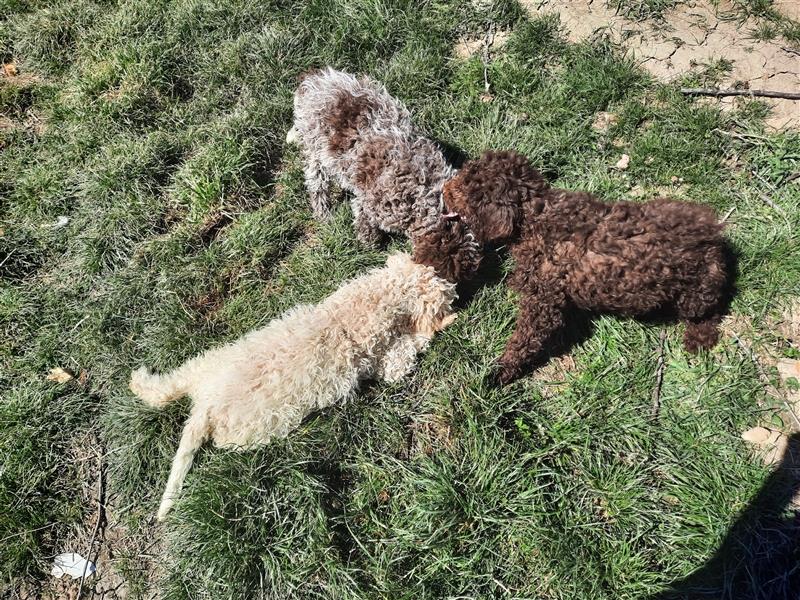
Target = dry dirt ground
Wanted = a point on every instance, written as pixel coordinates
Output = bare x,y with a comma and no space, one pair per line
691,37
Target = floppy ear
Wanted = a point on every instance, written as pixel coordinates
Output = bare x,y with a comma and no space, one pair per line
448,320
398,260
498,221
450,249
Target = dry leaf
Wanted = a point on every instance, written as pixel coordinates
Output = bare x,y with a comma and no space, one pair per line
757,435
59,375
10,69
383,496
623,162
770,444
486,97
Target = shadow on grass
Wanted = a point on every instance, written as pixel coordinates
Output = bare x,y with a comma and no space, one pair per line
760,556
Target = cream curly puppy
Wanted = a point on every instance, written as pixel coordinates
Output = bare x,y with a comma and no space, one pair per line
264,384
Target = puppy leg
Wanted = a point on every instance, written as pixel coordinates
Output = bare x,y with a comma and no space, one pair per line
539,316
702,316
702,304
367,232
400,359
318,185
194,434
159,390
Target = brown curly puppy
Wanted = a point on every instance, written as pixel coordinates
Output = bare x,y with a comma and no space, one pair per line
353,133
572,249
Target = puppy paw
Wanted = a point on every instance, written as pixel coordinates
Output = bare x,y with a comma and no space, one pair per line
501,375
164,508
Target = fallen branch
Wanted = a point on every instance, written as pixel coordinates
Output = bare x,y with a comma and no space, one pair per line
659,374
487,57
759,93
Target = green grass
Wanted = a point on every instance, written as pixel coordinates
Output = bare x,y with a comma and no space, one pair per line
158,129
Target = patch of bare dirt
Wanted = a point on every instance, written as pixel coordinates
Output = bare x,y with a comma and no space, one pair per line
552,376
102,537
767,349
788,8
690,38
470,46
429,434
10,75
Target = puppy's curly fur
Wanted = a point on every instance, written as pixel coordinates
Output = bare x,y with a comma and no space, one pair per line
354,133
572,249
264,384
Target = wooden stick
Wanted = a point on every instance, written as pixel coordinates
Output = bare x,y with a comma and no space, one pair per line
659,374
486,56
728,214
720,93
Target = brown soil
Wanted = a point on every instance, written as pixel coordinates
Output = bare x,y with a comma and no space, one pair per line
691,38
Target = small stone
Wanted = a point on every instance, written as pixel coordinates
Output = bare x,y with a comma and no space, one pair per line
604,121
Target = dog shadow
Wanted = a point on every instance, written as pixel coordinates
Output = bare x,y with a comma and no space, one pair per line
454,155
759,558
489,274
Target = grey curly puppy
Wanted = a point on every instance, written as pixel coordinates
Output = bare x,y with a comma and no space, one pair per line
354,133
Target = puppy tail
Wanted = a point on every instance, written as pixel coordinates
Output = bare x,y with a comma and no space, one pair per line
194,434
157,390
702,334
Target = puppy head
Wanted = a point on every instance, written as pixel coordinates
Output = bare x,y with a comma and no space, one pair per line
488,194
450,248
432,305
429,298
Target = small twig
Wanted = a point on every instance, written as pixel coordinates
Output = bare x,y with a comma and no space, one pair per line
659,374
766,199
774,392
741,136
487,44
756,93
9,255
762,180
769,202
789,178
727,214
96,524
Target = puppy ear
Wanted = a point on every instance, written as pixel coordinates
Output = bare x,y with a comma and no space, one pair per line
499,221
398,260
448,320
450,249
